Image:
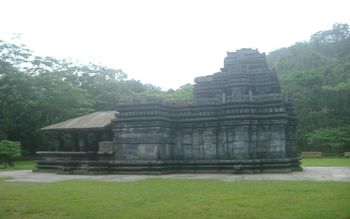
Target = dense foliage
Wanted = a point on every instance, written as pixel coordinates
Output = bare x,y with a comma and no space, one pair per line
183,94
37,91
8,151
317,74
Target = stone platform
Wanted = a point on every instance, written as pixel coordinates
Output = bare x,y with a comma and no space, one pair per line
74,164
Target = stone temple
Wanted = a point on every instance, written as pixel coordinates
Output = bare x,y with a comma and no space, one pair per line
239,123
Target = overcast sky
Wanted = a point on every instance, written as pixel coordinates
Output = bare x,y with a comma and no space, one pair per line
166,43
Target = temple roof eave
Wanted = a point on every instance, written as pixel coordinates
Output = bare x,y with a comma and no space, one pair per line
75,129
91,122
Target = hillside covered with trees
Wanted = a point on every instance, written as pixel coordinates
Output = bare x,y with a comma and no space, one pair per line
316,73
37,91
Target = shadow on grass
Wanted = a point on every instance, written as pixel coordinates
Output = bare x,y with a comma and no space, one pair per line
20,165
5,178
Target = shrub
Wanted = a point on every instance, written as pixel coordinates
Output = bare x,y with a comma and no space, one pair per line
8,151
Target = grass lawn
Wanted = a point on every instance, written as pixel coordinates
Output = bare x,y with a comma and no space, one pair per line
20,165
325,162
159,198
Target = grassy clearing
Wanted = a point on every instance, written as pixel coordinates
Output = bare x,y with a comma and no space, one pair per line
20,165
325,162
159,198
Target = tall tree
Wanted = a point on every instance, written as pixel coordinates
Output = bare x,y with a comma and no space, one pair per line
317,74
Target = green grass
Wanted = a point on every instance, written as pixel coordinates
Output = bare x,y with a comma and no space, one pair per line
159,198
325,162
5,178
19,165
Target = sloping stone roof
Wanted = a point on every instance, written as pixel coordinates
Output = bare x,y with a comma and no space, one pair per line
96,120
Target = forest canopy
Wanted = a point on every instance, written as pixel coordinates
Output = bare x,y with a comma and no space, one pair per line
38,91
316,74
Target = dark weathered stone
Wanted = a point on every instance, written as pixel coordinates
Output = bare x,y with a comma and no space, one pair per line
240,123
239,115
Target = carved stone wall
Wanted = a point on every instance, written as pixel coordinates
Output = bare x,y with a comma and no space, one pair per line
239,114
229,131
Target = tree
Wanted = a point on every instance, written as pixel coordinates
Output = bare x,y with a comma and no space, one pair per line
182,94
8,151
332,139
32,96
29,102
333,43
38,91
317,74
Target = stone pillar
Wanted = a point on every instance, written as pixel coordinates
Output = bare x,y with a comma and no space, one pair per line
252,132
223,97
81,142
241,142
262,141
290,139
277,141
209,147
98,136
220,139
228,141
250,95
179,150
56,142
60,142
75,141
187,144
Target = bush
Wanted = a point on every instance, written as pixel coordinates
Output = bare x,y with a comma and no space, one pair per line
8,151
331,139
